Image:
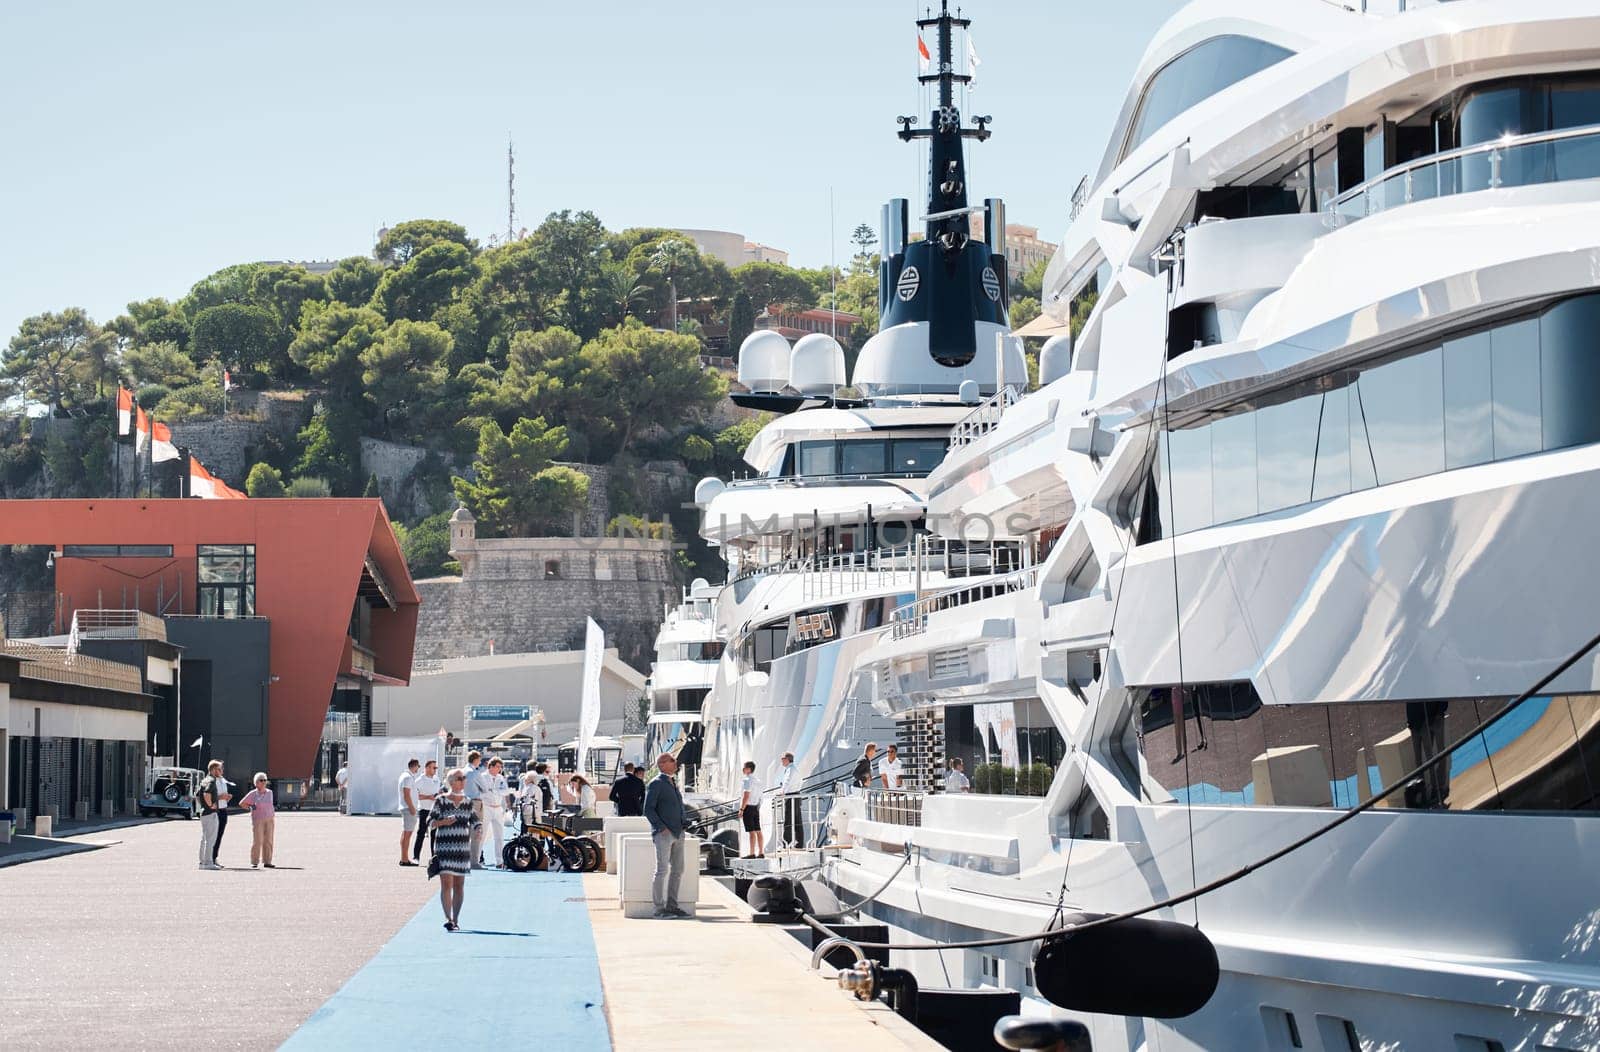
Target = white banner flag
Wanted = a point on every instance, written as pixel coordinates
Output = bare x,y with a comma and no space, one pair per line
594,656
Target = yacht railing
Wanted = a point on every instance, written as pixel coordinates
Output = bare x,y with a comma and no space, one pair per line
985,418
1514,160
848,573
801,481
912,620
898,807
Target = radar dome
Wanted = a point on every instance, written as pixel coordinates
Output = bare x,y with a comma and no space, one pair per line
707,490
764,362
816,366
699,584
1055,360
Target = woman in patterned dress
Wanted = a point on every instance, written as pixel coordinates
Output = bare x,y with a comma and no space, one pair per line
452,821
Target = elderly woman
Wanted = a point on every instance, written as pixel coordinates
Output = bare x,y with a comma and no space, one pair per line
453,823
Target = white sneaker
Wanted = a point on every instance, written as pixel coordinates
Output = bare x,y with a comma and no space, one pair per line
213,866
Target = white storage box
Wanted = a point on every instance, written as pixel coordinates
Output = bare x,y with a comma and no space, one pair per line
636,868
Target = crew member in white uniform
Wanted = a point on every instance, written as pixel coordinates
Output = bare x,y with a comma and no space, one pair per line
494,807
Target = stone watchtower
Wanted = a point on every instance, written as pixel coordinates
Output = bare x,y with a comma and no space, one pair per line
464,539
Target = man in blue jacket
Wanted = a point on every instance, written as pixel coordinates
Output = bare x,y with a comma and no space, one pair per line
663,809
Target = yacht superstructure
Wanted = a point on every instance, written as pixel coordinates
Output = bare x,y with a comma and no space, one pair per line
1310,483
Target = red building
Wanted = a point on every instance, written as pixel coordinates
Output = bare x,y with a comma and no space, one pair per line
287,610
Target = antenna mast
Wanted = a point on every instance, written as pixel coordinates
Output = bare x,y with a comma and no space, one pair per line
511,189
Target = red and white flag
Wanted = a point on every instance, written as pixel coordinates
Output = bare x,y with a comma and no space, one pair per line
206,486
924,60
124,411
141,430
162,447
227,380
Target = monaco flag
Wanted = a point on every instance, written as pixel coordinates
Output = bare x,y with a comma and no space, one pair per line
203,483
141,430
124,411
162,447
923,58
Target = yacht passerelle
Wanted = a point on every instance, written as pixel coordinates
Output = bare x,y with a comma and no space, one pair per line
1311,474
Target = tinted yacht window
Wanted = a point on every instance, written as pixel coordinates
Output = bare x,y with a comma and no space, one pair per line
1196,75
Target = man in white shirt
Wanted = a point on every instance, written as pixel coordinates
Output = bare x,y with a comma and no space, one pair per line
342,779
889,770
786,784
477,786
750,809
408,808
426,786
955,781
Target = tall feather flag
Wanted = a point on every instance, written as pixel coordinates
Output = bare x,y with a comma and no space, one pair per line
124,411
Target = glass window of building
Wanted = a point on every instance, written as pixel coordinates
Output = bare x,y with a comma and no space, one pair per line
1195,76
227,578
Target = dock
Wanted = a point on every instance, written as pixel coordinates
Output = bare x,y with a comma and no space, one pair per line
340,947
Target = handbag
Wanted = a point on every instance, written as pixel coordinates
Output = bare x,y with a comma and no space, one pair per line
433,866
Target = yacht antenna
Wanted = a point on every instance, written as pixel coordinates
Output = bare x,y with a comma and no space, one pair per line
511,189
947,182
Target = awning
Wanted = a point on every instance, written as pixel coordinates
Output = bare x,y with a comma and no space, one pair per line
1044,325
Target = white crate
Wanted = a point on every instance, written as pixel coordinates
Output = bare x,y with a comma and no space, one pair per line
636,869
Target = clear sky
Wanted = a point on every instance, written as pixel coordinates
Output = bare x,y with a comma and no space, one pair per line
146,145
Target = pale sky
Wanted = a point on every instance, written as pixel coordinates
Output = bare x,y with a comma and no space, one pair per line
146,145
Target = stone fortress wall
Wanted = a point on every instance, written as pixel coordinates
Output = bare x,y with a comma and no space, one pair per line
531,594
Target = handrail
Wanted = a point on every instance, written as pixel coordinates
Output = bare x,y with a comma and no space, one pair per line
119,624
801,481
1494,149
912,620
984,418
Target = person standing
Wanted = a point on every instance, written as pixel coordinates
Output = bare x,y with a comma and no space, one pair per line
862,775
547,792
208,815
890,770
584,793
224,794
956,781
426,786
785,784
494,809
477,782
408,808
663,809
341,779
628,793
454,822
263,821
750,809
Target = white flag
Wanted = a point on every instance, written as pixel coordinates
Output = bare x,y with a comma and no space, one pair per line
594,656
973,62
196,743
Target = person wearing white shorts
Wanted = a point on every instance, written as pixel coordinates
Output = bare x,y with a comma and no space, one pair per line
408,809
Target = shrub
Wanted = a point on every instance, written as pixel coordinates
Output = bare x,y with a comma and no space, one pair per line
310,486
264,480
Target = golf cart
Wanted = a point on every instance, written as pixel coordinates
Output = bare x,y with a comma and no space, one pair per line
171,791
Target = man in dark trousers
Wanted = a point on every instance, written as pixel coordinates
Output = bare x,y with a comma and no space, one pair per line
628,793
663,808
862,775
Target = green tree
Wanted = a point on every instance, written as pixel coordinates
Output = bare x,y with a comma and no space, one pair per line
228,285
427,546
331,450
670,256
571,253
1023,310
651,379
865,239
741,321
163,362
426,282
697,450
372,489
284,289
1031,281
241,335
403,241
330,343
773,283
353,280
60,360
518,491
405,367
624,288
264,480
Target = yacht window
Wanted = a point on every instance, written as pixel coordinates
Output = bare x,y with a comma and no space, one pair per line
1517,387
1195,76
818,458
863,457
768,644
1008,748
918,456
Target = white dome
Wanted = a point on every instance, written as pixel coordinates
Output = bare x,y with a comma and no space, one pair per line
764,362
816,366
699,584
1055,360
707,490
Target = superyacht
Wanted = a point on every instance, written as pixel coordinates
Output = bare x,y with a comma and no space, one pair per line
828,536
1310,476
